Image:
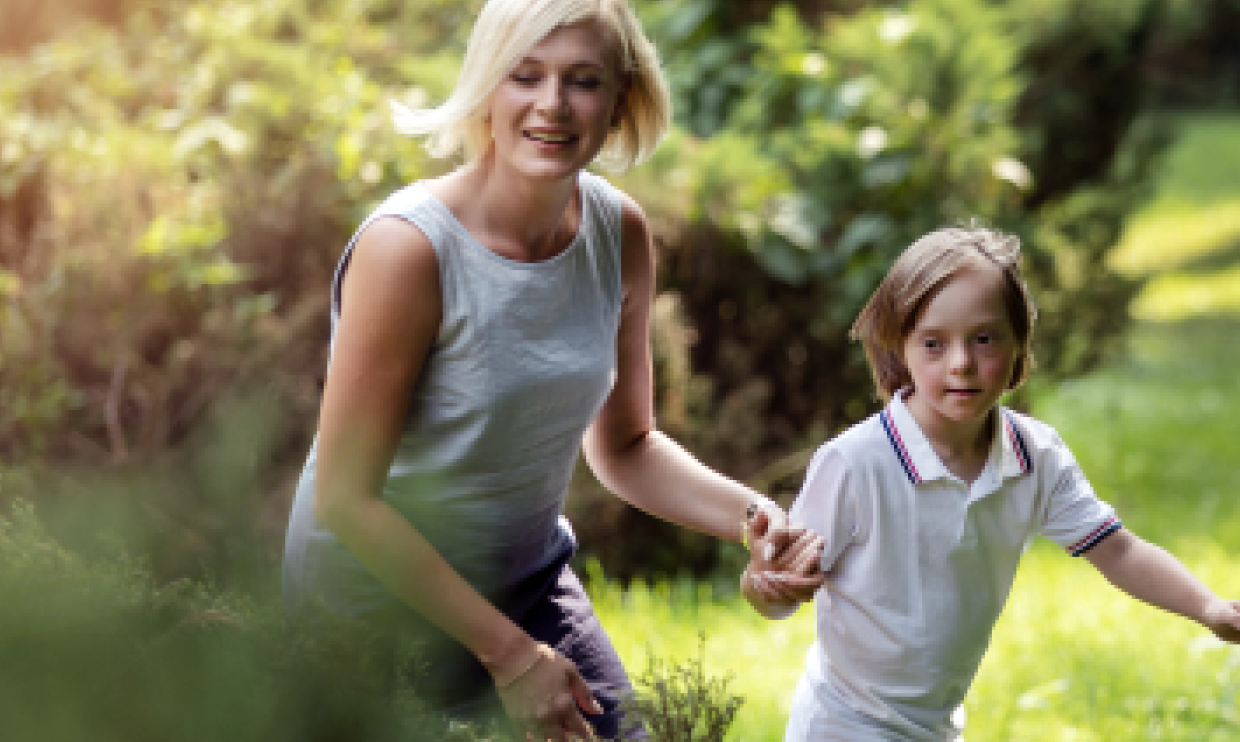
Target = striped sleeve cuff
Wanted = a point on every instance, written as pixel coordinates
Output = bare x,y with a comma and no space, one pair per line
1111,525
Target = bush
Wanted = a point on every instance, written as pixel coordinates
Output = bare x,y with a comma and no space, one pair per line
174,193
95,649
827,140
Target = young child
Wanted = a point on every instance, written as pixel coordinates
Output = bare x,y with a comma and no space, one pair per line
926,507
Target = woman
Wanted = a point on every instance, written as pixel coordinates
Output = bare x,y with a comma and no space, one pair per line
485,322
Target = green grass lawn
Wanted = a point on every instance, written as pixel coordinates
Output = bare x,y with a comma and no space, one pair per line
1157,432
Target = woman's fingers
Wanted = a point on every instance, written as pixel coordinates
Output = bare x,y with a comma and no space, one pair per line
804,555
794,549
545,700
560,718
581,693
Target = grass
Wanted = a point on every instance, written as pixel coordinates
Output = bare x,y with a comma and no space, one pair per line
1157,432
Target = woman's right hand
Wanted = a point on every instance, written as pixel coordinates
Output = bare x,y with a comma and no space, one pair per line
546,697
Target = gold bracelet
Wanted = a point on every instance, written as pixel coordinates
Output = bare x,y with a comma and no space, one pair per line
521,674
750,512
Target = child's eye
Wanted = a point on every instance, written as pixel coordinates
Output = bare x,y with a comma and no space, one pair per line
585,83
984,339
930,343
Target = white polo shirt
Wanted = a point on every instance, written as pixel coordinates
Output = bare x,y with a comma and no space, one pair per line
919,567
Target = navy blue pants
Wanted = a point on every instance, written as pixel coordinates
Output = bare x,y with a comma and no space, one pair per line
553,608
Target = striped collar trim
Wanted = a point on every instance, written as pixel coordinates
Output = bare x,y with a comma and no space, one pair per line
1012,445
1016,439
897,443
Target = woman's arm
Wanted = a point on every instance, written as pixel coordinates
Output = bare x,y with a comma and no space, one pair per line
1149,573
628,454
390,315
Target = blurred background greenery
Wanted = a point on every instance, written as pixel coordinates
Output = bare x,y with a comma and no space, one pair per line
177,180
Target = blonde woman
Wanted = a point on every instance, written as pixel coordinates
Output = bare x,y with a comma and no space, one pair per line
485,324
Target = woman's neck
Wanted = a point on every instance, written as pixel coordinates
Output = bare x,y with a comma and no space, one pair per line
520,218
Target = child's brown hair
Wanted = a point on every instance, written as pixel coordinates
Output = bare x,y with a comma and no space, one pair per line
928,264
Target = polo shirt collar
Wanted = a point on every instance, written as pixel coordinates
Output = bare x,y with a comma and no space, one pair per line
921,463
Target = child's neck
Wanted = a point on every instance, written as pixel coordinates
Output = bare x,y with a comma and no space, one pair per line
962,447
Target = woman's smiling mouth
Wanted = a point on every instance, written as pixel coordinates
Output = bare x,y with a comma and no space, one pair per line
550,137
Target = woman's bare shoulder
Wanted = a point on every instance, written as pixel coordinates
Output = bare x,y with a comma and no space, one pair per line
393,244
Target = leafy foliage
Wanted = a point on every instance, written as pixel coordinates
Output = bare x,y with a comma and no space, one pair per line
175,195
95,649
174,192
827,143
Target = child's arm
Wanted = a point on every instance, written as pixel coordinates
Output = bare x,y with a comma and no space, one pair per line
1147,572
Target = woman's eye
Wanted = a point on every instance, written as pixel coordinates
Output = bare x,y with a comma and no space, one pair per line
586,83
524,78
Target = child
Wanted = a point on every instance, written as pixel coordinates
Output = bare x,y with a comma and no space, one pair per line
927,506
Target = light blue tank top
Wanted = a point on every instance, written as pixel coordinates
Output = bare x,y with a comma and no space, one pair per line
524,360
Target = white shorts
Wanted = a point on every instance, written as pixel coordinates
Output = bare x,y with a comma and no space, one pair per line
816,719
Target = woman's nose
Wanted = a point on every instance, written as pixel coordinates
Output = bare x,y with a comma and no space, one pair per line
551,98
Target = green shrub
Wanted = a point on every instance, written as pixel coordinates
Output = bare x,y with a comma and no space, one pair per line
174,193
96,649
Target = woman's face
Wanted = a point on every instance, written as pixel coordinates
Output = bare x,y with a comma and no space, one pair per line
551,114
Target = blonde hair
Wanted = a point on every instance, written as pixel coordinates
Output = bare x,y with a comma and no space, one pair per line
506,30
927,265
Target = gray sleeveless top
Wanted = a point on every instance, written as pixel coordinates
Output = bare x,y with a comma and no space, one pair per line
524,359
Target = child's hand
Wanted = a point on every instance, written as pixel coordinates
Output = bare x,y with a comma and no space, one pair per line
783,569
777,544
1223,618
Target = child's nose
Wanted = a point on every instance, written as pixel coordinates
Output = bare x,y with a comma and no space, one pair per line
961,357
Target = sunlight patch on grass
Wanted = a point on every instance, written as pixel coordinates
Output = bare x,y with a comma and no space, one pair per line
1177,296
1168,235
1194,217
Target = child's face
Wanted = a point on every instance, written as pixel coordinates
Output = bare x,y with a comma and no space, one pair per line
961,352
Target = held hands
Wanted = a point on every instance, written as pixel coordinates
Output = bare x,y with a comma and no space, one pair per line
1223,618
783,569
544,700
